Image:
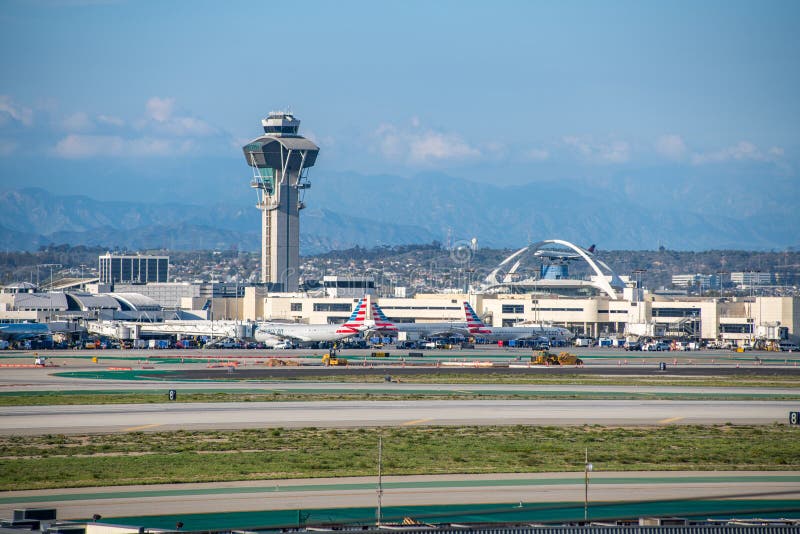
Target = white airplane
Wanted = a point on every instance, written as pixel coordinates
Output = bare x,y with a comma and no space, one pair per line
477,328
382,324
273,333
19,331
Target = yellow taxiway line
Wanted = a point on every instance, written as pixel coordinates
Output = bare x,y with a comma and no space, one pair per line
416,422
135,428
670,420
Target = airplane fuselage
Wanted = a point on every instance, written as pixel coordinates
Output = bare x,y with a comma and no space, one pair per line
17,331
508,333
433,329
302,332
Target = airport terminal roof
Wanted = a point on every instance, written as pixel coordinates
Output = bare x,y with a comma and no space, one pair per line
88,301
136,302
18,286
40,301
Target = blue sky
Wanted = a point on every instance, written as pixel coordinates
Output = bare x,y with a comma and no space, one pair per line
95,95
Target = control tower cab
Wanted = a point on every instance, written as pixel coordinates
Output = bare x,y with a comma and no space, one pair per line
280,160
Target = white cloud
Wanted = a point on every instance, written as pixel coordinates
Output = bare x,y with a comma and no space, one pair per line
599,152
537,154
185,126
159,109
86,146
161,131
417,146
671,146
8,109
741,151
110,120
77,122
161,117
79,146
436,146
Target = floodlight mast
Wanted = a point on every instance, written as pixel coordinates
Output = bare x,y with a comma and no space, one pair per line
280,160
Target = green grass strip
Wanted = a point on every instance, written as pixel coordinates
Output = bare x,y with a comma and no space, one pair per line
53,461
455,377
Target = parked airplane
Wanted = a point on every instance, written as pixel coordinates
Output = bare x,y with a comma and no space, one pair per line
275,332
477,328
383,324
18,331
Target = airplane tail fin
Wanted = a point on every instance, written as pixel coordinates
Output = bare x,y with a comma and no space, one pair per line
381,321
357,320
474,323
591,249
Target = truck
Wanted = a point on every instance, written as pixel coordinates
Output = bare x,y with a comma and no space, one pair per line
331,359
544,357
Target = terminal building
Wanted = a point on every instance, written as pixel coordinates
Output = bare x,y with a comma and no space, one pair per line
602,304
598,305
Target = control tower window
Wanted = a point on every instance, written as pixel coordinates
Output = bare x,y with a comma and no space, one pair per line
281,129
267,176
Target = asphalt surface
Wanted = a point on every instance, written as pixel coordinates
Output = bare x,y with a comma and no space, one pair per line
111,418
400,491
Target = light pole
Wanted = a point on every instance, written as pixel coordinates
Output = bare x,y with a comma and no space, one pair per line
587,467
379,511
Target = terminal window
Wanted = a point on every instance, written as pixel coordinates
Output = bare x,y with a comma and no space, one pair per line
332,306
746,328
676,312
513,308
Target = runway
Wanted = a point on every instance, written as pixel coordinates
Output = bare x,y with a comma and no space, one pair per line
348,414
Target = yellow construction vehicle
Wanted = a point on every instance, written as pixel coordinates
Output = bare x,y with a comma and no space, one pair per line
330,358
544,357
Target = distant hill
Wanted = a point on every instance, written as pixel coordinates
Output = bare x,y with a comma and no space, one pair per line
695,213
30,218
637,212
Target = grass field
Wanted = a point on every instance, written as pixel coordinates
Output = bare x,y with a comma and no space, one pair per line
53,461
454,377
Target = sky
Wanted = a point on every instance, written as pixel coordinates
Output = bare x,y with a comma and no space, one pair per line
111,98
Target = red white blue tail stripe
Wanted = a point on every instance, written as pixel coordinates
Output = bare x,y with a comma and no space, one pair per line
381,321
356,322
474,323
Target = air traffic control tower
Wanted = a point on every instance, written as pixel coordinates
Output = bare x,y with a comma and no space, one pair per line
280,160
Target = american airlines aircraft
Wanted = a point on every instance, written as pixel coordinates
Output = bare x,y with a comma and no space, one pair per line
492,333
272,332
17,331
383,324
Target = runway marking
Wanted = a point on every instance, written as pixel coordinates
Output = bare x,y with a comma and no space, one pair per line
142,427
670,420
415,422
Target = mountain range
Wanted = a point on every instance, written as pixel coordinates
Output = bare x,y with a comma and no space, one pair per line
634,213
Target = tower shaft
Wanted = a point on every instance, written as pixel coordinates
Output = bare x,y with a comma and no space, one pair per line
280,240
